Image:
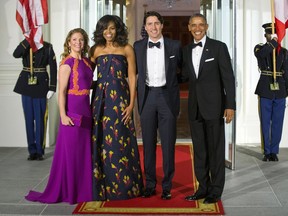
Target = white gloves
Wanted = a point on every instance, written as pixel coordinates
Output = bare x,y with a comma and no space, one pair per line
50,94
274,36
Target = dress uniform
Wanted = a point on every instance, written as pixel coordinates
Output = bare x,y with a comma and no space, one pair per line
271,96
33,84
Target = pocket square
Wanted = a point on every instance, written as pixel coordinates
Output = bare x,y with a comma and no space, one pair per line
76,118
172,56
211,59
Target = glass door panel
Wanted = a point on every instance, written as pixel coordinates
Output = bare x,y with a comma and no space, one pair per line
220,15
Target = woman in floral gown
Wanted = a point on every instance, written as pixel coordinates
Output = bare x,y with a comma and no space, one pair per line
116,164
70,177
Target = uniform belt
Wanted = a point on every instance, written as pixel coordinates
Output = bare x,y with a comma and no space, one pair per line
155,88
36,70
270,73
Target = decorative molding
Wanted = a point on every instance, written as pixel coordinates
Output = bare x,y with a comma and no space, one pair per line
177,12
9,74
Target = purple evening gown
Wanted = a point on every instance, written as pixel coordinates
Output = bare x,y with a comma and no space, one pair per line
71,172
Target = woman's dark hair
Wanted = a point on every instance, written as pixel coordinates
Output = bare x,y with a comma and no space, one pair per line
153,13
121,30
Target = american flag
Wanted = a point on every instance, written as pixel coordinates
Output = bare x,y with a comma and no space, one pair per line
31,15
144,33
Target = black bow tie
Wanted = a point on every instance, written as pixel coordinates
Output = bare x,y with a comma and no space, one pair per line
196,44
151,44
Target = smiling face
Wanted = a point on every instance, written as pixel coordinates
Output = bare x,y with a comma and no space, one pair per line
198,28
76,42
153,28
110,32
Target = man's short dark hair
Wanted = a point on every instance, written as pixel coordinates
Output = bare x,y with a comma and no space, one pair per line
153,13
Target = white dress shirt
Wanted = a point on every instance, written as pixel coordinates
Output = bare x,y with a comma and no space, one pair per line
196,55
155,76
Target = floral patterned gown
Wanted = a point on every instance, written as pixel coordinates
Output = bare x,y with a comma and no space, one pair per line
116,164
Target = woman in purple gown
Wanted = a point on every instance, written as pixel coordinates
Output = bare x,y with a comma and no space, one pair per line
71,172
116,164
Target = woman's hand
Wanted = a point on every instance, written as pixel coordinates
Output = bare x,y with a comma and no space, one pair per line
127,115
65,120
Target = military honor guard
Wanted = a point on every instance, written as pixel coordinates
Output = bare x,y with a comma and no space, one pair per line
36,86
272,90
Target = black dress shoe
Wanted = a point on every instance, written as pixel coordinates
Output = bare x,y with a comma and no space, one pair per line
149,192
166,195
195,196
266,157
273,157
40,157
32,157
211,199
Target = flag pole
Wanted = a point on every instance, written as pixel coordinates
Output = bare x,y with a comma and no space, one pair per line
275,85
32,79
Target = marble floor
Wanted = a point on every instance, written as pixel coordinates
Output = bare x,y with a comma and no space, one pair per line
253,188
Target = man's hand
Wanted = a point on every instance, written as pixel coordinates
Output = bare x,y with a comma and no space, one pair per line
228,115
274,36
50,94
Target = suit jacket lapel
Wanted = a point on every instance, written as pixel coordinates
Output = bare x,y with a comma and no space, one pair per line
189,60
166,53
144,56
204,55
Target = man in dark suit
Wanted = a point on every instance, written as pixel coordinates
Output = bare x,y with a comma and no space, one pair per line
157,60
271,98
35,86
207,66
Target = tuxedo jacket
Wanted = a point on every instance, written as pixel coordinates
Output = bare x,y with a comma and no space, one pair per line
172,50
41,59
214,89
263,53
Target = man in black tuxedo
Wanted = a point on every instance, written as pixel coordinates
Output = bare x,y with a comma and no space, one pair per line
207,66
157,60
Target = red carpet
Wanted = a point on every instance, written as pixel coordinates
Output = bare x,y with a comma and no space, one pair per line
184,94
184,183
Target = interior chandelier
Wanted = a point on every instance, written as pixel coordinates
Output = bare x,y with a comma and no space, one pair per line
169,3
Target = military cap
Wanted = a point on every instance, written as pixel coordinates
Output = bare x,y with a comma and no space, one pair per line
268,28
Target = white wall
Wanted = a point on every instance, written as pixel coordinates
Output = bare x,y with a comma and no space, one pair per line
12,131
65,15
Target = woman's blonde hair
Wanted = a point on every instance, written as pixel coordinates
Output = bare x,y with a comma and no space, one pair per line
68,38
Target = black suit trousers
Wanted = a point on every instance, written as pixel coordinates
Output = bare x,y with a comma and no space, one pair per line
208,139
157,115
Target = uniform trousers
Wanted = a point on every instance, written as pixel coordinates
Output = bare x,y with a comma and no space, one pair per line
34,114
271,117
